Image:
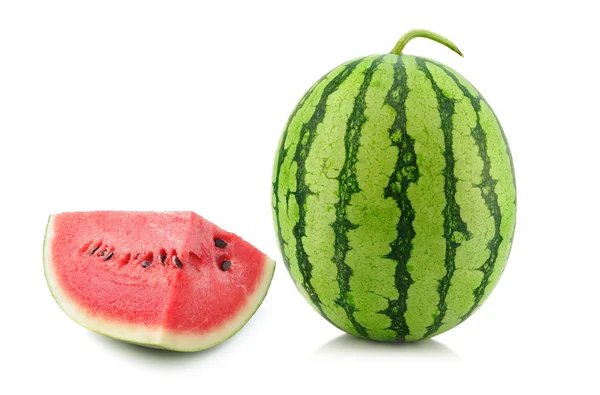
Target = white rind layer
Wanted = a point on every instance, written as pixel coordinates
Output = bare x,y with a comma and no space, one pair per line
156,337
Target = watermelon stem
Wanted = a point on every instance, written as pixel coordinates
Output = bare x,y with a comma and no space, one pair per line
426,34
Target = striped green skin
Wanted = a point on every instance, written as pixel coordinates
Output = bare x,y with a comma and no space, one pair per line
394,198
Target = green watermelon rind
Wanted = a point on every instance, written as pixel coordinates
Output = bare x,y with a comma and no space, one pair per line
185,343
366,174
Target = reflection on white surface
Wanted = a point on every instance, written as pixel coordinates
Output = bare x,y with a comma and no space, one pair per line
348,344
148,354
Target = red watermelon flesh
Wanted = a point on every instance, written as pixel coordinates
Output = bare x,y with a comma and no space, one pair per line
170,280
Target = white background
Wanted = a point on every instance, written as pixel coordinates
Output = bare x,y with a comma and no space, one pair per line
179,106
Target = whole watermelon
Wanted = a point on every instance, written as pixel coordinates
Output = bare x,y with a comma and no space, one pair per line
394,196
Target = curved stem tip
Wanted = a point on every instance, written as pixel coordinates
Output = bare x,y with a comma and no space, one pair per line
426,34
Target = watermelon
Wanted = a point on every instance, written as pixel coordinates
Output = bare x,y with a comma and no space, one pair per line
168,280
394,196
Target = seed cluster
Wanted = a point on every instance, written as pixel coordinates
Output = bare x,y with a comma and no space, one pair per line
225,265
148,259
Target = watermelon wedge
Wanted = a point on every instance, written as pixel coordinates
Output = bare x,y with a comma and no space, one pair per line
169,280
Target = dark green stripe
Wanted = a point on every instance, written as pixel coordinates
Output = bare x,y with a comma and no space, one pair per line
307,136
488,193
453,223
348,185
405,172
282,154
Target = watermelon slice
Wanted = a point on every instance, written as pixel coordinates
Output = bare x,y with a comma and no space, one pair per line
167,280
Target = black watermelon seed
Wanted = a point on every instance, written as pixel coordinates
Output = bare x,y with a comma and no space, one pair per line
146,263
94,250
108,256
177,262
220,243
162,258
225,265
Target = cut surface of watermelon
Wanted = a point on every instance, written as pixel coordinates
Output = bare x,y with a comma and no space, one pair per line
162,279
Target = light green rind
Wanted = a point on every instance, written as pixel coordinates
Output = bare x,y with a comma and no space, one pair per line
502,171
468,170
375,216
284,176
323,166
427,197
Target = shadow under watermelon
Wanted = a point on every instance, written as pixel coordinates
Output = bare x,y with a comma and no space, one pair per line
151,355
347,344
